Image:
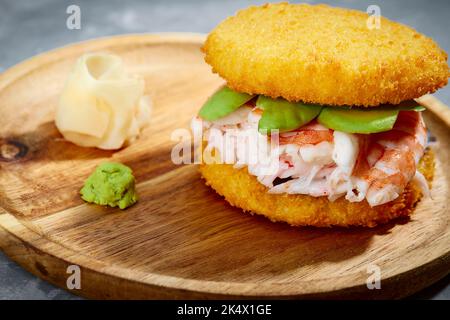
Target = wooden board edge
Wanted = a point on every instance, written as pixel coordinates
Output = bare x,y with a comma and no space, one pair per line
436,106
44,58
97,285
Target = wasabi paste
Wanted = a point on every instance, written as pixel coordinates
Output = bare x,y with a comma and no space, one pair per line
110,184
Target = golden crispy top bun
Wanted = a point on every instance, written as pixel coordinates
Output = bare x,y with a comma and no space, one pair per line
325,55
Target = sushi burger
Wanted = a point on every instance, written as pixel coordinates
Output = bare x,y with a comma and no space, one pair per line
338,100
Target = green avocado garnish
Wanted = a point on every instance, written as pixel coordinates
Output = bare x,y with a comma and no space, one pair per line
110,184
364,121
222,103
284,115
357,121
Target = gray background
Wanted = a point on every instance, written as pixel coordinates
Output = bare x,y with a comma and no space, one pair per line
31,27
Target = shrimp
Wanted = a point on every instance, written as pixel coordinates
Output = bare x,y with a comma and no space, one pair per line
313,133
388,160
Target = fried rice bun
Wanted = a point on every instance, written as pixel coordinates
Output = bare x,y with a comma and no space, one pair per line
243,190
325,55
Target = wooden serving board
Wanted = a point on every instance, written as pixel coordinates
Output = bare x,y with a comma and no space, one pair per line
181,240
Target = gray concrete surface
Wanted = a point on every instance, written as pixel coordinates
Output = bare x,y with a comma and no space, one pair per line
31,27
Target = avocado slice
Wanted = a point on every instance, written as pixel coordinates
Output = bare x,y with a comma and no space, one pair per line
284,115
408,105
365,121
222,103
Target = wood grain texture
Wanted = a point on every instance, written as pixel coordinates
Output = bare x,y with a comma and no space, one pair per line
181,240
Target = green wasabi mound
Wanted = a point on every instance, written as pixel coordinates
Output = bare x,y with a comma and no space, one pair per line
110,184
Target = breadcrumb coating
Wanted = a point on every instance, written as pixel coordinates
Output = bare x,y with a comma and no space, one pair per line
325,55
242,190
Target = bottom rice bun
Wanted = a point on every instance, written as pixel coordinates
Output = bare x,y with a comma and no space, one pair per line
243,190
